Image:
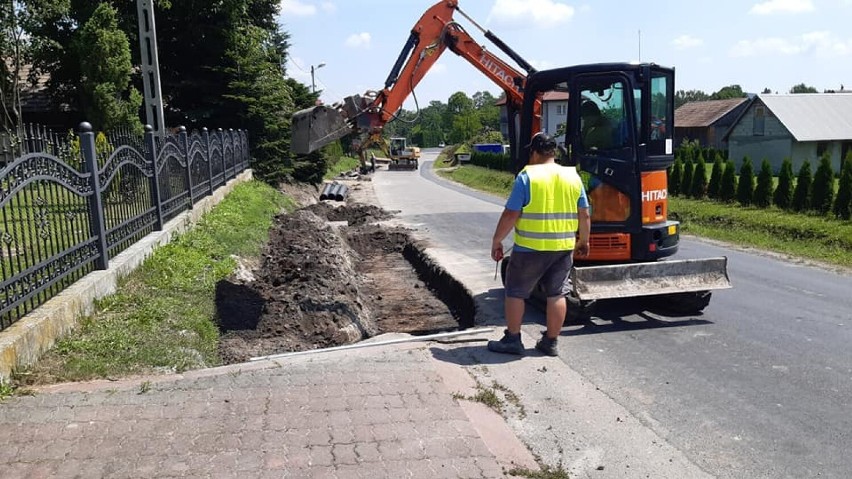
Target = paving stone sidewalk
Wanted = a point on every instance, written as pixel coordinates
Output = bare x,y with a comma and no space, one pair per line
373,412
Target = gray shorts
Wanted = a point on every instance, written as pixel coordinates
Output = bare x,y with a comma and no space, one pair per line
551,268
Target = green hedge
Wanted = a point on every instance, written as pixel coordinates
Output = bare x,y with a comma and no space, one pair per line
492,161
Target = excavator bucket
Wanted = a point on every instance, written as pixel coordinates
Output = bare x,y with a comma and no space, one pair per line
647,279
316,127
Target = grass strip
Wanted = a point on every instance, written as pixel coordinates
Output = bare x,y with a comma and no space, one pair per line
161,319
343,165
813,237
808,236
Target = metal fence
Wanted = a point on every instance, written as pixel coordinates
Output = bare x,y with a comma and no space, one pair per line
69,203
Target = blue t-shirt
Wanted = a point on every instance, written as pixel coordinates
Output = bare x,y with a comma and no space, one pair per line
520,197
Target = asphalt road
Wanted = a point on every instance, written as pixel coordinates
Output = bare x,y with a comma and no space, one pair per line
759,385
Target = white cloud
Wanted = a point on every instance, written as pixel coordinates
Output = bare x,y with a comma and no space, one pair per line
358,40
297,8
328,7
820,43
782,6
684,42
530,13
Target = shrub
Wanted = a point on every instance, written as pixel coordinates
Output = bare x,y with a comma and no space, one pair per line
699,178
675,176
802,193
310,168
728,188
716,177
686,179
843,203
783,197
492,161
763,192
822,191
745,187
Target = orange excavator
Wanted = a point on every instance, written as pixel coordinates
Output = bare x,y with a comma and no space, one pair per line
618,133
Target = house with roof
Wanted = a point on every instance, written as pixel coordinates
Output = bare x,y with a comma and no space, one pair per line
800,126
554,112
707,121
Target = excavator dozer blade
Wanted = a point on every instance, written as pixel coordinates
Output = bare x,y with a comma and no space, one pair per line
647,279
316,127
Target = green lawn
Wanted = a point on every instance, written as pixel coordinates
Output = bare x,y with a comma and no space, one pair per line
162,317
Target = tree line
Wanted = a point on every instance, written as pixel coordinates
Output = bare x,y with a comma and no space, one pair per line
222,65
457,121
819,192
735,91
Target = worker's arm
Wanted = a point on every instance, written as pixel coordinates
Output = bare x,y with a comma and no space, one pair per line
582,248
504,227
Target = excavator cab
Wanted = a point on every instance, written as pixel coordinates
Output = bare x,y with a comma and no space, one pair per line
619,134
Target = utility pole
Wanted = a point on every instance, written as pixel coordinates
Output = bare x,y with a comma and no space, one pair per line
150,66
313,68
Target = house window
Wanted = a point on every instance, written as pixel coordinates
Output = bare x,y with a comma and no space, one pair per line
562,110
822,148
759,121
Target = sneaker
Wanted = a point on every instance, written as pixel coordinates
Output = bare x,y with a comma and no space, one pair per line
509,344
547,345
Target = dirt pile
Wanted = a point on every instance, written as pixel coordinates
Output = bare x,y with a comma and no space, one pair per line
320,285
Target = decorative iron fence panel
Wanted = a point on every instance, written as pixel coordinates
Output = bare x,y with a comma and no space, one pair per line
217,159
68,203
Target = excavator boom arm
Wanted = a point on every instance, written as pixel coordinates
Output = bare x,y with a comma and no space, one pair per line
435,32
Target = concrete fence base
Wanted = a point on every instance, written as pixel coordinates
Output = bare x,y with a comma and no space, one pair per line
23,343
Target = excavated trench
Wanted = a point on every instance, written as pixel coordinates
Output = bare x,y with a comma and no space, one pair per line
332,275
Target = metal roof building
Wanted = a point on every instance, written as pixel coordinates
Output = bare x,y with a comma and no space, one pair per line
802,127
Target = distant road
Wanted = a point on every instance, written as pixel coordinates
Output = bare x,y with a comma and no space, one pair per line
759,386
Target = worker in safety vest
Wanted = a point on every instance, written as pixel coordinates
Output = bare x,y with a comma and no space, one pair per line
549,212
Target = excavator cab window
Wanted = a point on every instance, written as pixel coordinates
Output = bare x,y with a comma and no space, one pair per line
660,122
604,122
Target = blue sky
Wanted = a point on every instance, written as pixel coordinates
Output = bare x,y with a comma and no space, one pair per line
754,43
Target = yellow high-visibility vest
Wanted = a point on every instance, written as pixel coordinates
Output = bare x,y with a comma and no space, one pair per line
549,222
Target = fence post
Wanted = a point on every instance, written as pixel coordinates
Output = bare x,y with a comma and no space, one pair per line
224,163
206,135
155,177
233,153
96,207
188,160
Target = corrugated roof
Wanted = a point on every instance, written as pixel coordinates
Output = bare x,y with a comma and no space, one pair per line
813,116
697,114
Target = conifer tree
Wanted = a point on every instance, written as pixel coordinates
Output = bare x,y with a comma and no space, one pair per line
728,188
843,203
802,193
699,178
763,192
822,191
783,197
675,176
716,177
745,187
686,180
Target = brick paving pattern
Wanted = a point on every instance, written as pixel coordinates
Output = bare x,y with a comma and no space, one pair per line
383,414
